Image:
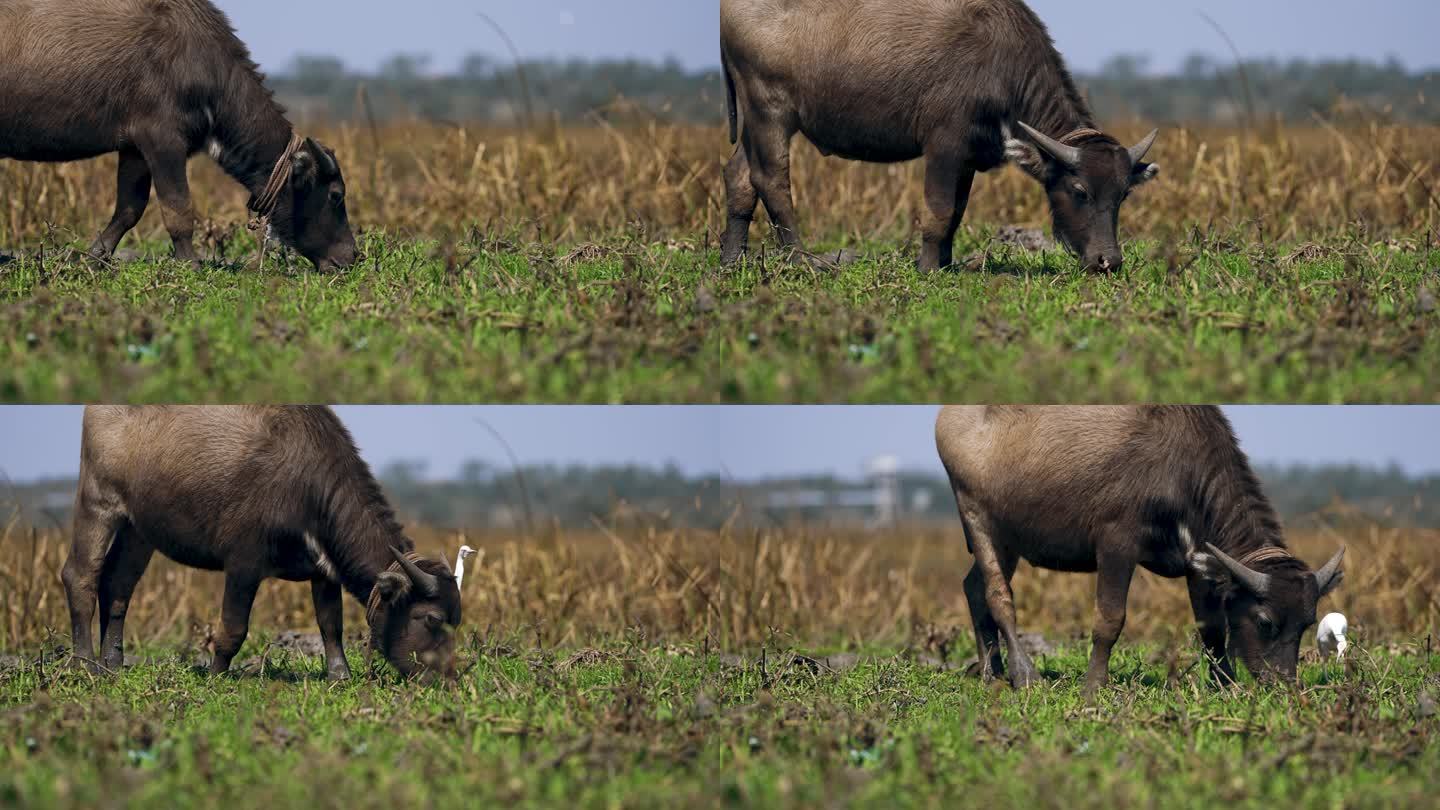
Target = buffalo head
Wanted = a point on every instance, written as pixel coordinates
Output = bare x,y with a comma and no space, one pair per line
416,611
1087,181
1268,607
311,218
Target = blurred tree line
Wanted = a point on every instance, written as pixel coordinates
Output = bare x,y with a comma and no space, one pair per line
575,497
482,89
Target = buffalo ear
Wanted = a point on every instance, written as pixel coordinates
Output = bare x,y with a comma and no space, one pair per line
325,159
303,167
1212,570
392,585
1144,173
1027,157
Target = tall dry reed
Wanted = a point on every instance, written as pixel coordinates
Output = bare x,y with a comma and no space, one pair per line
731,589
663,182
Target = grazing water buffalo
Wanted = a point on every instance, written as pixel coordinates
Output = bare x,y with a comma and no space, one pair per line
1109,489
256,492
957,82
159,81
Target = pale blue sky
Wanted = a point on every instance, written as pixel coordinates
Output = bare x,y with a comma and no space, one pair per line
749,442
364,32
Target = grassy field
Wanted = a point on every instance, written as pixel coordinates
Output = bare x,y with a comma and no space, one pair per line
473,322
578,265
642,666
645,726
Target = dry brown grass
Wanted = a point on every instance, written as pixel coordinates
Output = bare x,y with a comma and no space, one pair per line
663,182
730,589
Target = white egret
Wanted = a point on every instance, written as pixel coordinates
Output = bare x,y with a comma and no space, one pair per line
1331,636
460,557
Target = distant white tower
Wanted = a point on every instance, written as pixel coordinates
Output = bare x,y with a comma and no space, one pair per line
884,472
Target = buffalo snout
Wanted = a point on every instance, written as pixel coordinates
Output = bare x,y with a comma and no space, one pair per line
1105,261
340,257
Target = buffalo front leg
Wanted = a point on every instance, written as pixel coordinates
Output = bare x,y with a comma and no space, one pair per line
767,150
996,568
330,615
1209,609
167,167
128,559
240,590
132,195
740,201
987,632
947,195
1112,590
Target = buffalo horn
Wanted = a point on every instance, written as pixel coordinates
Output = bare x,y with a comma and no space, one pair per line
1254,581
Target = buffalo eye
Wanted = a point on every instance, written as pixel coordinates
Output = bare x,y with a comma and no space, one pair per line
1267,625
433,622
337,196
1080,193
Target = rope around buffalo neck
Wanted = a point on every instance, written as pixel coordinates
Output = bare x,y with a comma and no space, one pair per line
1083,132
1265,554
262,205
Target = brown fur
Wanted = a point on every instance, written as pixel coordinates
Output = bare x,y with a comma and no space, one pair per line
1106,489
256,492
895,80
158,81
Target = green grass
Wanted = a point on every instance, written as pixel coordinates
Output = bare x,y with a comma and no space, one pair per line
497,321
641,726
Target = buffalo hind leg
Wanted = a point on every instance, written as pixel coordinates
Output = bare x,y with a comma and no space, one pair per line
330,615
95,528
741,197
240,590
767,151
129,556
132,195
987,632
997,567
947,195
166,158
1112,590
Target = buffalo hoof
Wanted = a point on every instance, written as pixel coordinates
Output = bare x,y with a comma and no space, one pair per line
338,673
1024,676
98,256
1094,685
80,663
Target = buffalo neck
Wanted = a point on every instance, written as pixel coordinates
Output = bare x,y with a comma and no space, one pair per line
1048,100
355,525
249,131
1232,510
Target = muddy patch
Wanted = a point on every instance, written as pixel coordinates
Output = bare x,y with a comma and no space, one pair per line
1025,238
299,643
